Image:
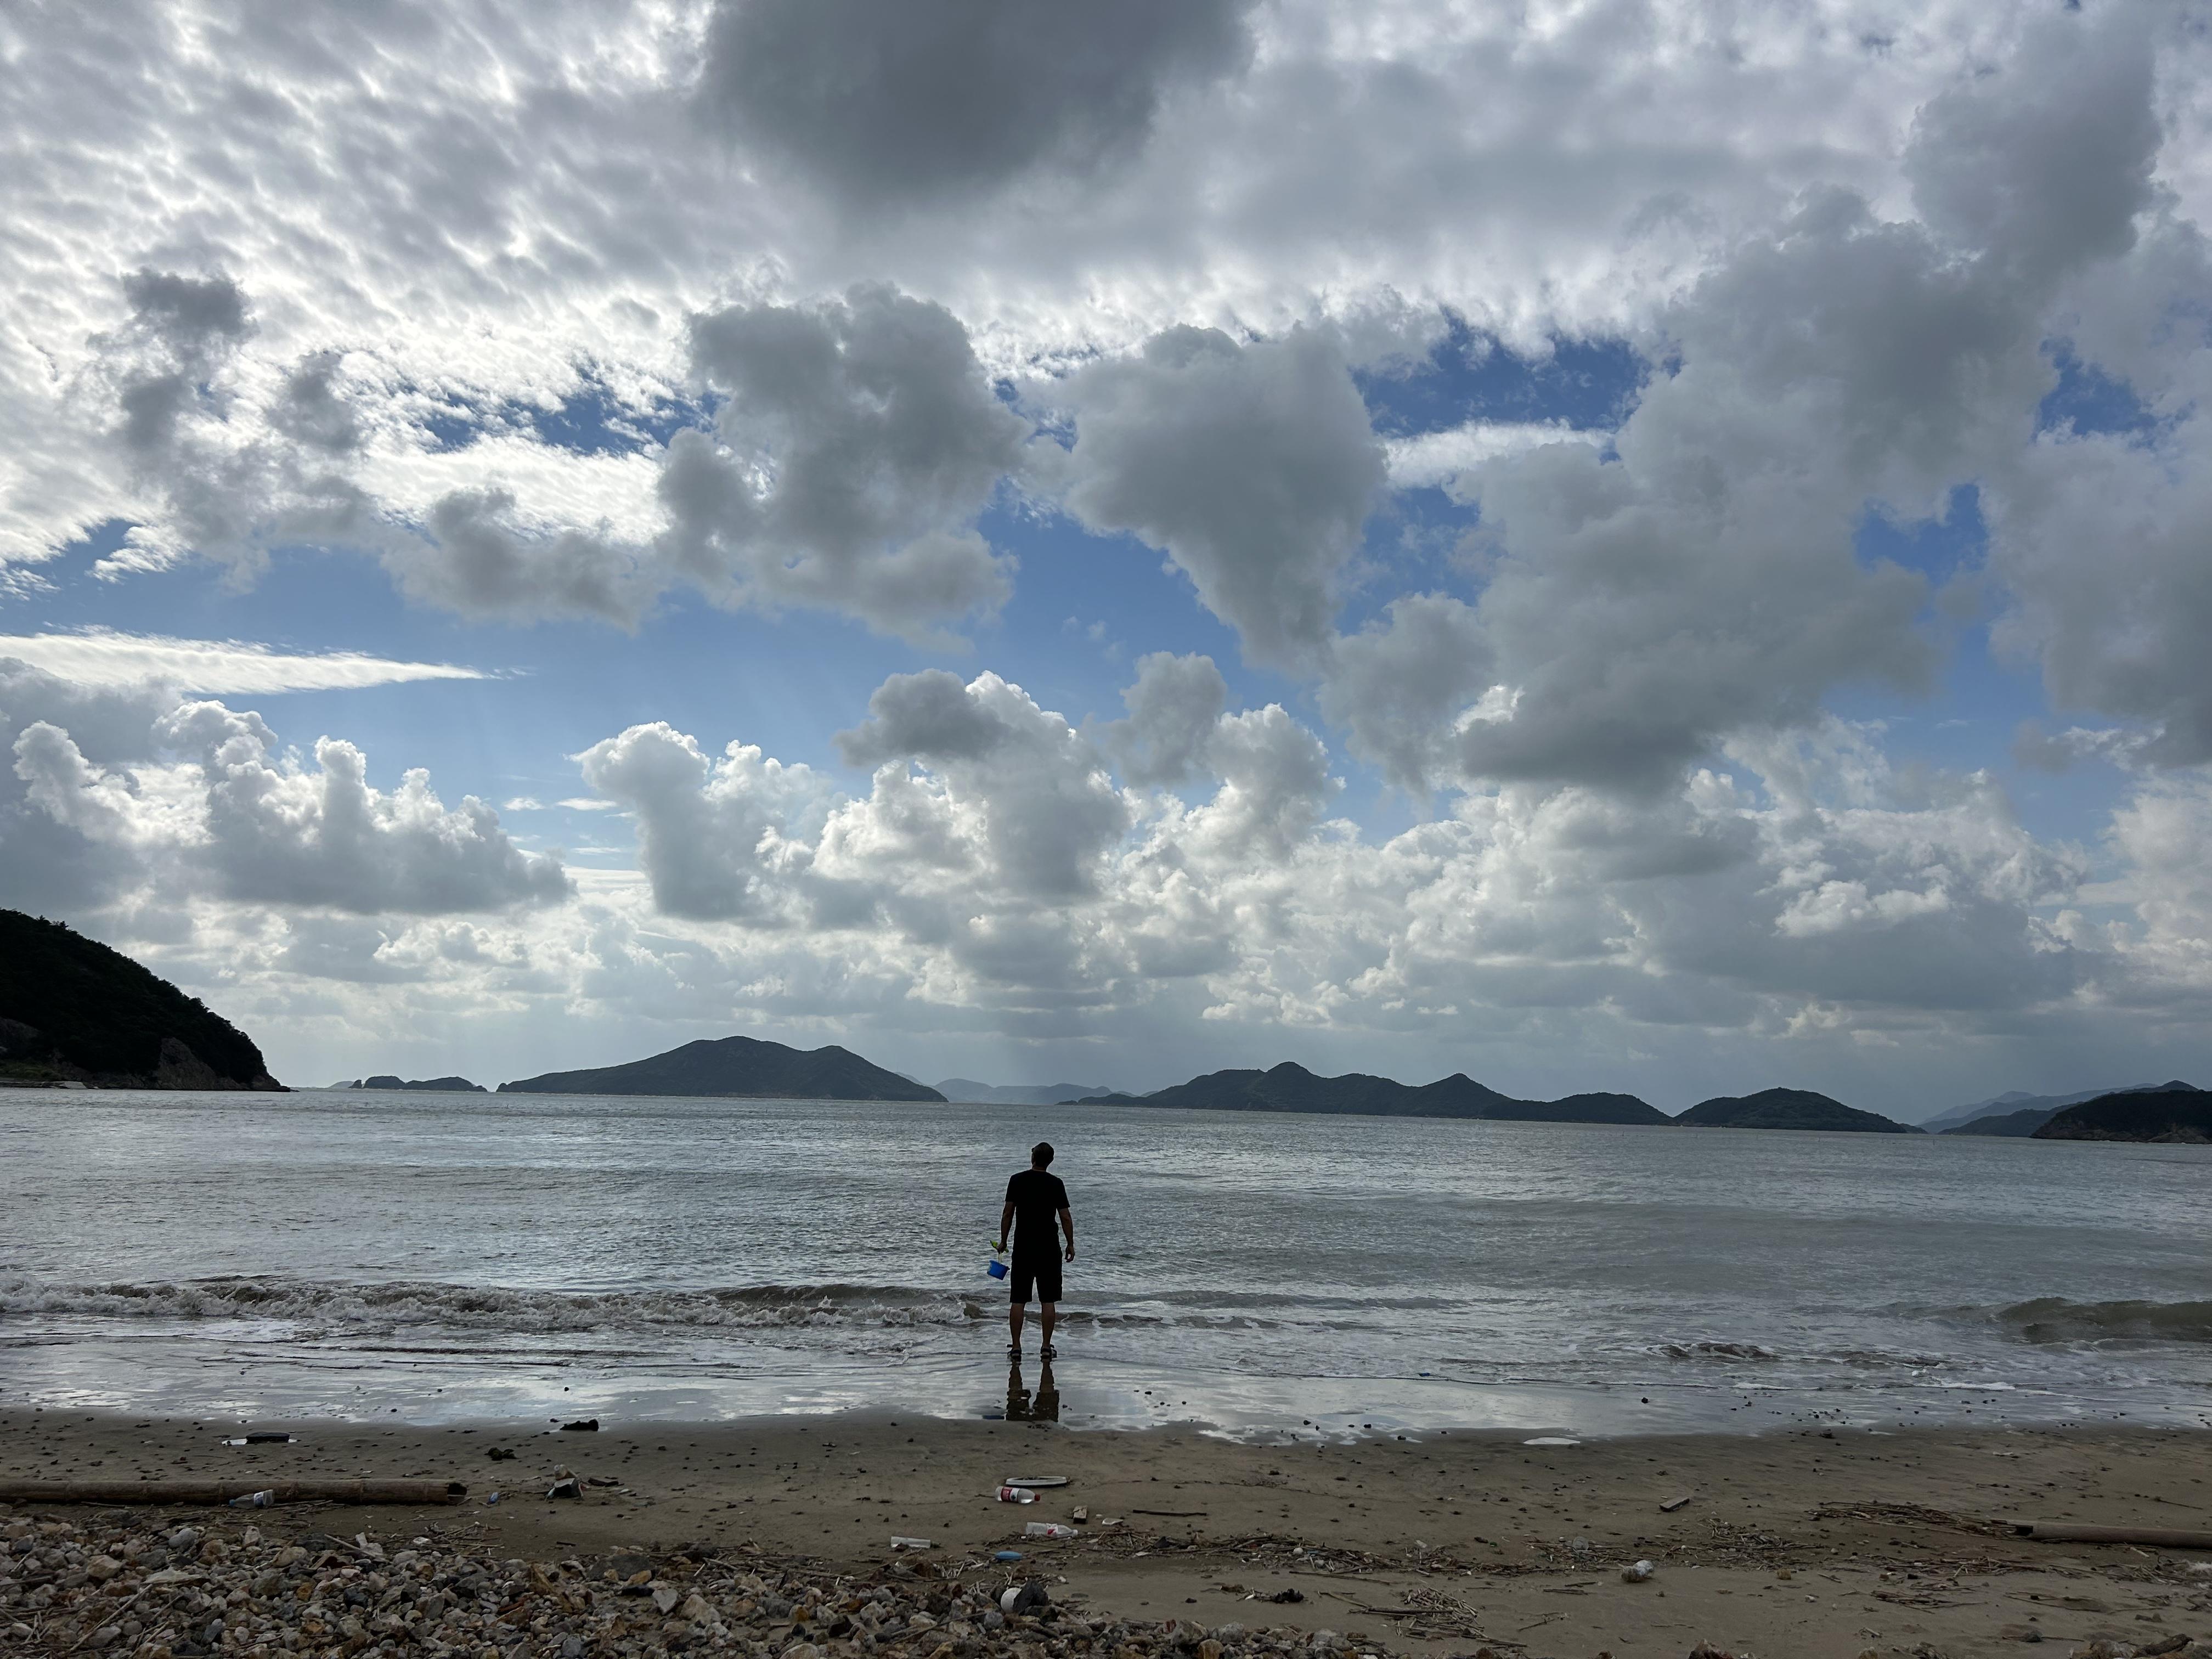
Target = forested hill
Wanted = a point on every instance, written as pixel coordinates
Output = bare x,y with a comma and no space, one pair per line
1290,1087
737,1067
72,1010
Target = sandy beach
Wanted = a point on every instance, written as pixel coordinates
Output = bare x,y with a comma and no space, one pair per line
1809,1543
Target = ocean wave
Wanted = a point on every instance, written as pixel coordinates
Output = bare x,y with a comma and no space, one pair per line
418,1303
2055,1319
415,1304
1713,1350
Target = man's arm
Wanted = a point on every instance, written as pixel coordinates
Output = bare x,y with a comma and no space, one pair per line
1067,1226
1005,1224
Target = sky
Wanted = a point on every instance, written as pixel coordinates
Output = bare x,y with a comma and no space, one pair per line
1596,544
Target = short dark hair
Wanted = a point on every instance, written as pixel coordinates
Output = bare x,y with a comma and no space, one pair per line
1040,1155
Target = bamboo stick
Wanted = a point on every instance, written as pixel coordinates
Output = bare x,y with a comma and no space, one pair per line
222,1492
2062,1532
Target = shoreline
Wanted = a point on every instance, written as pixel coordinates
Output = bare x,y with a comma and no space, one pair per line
1798,1541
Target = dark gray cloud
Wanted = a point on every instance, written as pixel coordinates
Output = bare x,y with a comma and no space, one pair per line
857,441
883,101
1253,465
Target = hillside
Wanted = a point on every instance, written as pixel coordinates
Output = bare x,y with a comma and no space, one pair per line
452,1085
1290,1087
1788,1108
72,1010
2018,1125
2003,1114
2163,1115
739,1067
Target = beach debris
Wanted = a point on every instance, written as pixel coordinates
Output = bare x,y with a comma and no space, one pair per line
899,1543
1552,1440
491,1499
1016,1495
602,1480
1035,1482
260,1440
1022,1598
499,1455
1674,1504
1080,1515
1173,1515
1286,1597
581,1425
567,1486
1637,1573
1049,1529
254,1500
1006,1555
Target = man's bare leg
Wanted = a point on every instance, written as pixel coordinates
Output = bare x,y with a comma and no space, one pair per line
1050,1311
1014,1316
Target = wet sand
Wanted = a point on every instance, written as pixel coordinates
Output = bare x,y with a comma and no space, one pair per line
1803,1542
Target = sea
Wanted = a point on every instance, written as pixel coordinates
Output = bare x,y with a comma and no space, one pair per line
436,1258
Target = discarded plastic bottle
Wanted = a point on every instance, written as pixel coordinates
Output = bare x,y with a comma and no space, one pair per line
898,1543
1049,1529
254,1500
1016,1495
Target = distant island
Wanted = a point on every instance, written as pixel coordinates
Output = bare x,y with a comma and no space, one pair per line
1789,1109
2022,1114
1290,1087
2180,1115
738,1066
72,1011
966,1089
455,1085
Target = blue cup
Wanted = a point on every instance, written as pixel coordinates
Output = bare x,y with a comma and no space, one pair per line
996,1268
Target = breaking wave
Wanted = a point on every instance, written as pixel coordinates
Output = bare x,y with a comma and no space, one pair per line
2055,1319
1713,1351
414,1303
418,1304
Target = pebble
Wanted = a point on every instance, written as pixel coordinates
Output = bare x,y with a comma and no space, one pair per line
150,1592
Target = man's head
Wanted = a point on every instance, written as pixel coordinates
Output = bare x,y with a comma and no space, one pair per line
1040,1155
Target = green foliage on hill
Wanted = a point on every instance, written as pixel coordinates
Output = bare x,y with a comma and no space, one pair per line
741,1068
1788,1108
2178,1113
1290,1087
72,1009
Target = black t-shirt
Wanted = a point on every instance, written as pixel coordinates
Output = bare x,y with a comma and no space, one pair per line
1038,1198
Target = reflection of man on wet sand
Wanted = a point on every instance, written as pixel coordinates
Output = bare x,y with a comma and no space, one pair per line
1020,1407
1035,1202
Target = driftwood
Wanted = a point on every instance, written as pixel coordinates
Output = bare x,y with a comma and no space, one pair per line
2064,1532
222,1492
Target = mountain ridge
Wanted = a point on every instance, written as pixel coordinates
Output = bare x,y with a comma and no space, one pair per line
2024,1114
2180,1116
1290,1087
1789,1109
736,1067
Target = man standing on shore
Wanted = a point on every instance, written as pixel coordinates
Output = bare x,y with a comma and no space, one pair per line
1035,1202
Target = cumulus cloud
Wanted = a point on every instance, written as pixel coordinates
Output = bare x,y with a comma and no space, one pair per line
884,103
1707,581
856,443
121,795
1252,465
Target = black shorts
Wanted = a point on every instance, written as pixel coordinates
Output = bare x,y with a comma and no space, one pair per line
1040,1272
